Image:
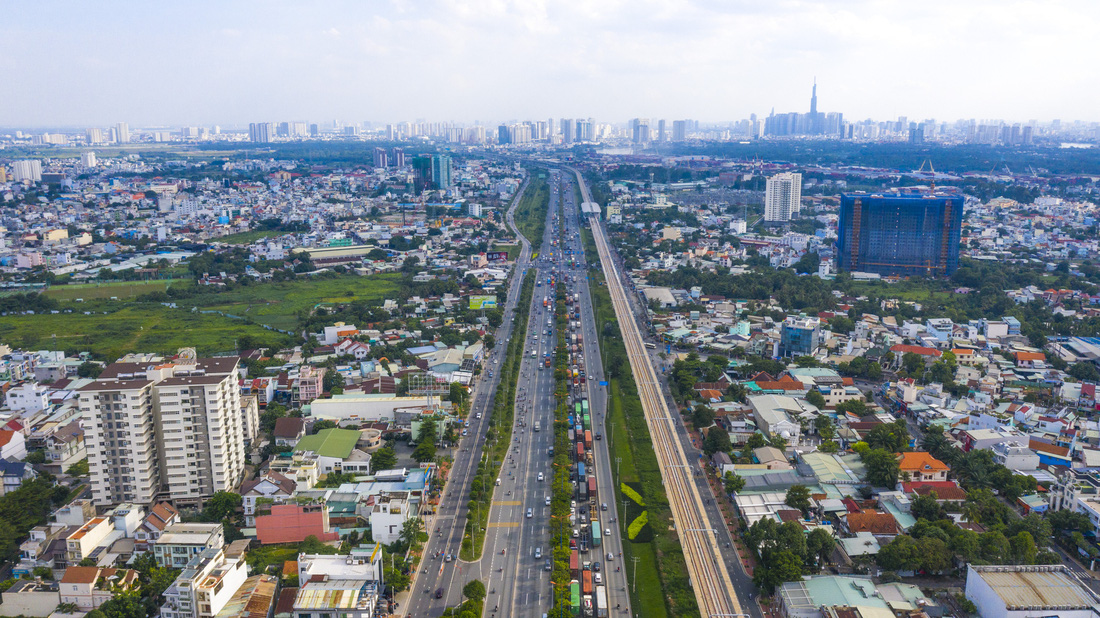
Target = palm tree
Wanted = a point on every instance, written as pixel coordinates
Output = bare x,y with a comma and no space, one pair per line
67,608
972,513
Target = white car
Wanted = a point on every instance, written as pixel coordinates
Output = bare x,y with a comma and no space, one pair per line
531,513
540,476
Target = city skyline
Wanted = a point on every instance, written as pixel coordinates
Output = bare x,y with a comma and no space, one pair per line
392,62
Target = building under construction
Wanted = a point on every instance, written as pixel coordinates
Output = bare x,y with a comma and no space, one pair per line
906,232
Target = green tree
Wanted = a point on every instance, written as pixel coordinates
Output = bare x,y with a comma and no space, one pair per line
927,507
798,497
474,590
755,441
702,417
900,554
222,505
893,437
855,406
816,399
1023,549
995,547
733,483
124,605
1065,520
819,546
383,459
933,554
89,369
79,468
967,544
1084,371
322,425
882,468
717,440
37,456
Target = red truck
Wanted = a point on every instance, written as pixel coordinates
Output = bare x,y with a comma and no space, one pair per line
575,563
580,451
586,583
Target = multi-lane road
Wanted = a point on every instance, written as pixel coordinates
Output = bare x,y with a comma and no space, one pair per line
707,569
448,524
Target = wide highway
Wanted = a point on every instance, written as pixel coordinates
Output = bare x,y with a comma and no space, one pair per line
706,567
446,527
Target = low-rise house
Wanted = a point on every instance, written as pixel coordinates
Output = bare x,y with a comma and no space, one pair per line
877,523
344,585
12,445
12,475
293,523
335,450
90,587
271,488
65,446
388,516
920,466
288,430
180,542
208,581
162,515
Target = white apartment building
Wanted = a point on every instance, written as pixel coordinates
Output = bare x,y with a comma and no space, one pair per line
344,585
783,196
205,585
179,543
87,159
27,169
172,429
119,435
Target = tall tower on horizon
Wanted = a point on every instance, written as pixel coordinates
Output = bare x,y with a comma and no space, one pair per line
813,100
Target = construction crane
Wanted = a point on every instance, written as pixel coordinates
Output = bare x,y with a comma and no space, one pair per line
931,170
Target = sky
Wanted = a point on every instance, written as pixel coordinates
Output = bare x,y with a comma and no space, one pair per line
232,62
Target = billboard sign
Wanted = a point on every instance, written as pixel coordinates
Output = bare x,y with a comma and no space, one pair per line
483,302
497,256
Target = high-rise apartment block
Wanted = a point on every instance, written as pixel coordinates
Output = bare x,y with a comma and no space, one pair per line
902,232
381,159
164,430
441,172
94,135
260,132
783,197
87,159
639,130
27,169
799,336
122,133
679,130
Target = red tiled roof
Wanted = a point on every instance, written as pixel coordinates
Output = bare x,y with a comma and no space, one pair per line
945,490
1060,451
916,349
873,522
920,461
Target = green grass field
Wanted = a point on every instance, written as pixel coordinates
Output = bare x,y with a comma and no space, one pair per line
144,328
101,291
247,238
513,251
279,304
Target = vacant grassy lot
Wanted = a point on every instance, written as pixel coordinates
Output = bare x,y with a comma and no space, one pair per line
125,290
147,328
279,304
247,238
533,207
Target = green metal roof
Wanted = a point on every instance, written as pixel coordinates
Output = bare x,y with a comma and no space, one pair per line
336,443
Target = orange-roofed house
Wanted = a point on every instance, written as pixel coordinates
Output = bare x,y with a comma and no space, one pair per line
875,522
90,587
1030,359
292,523
919,350
922,467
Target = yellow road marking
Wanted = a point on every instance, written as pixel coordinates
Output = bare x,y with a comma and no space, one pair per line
504,524
506,502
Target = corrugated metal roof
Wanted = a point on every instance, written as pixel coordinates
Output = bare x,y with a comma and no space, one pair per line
1036,587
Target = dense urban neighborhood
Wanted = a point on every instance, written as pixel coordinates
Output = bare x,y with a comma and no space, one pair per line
296,372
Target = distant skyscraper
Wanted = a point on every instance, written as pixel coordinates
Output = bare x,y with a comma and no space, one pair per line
679,130
122,133
398,157
568,131
662,135
422,173
639,130
87,159
260,132
441,172
783,197
27,169
380,158
504,134
314,130
903,232
94,135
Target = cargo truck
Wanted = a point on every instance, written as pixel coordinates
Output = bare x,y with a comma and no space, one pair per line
586,582
575,597
596,533
574,563
601,602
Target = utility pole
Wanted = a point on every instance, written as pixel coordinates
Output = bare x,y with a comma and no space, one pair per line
634,585
618,460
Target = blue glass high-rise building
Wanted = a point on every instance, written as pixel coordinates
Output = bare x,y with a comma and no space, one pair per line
904,232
